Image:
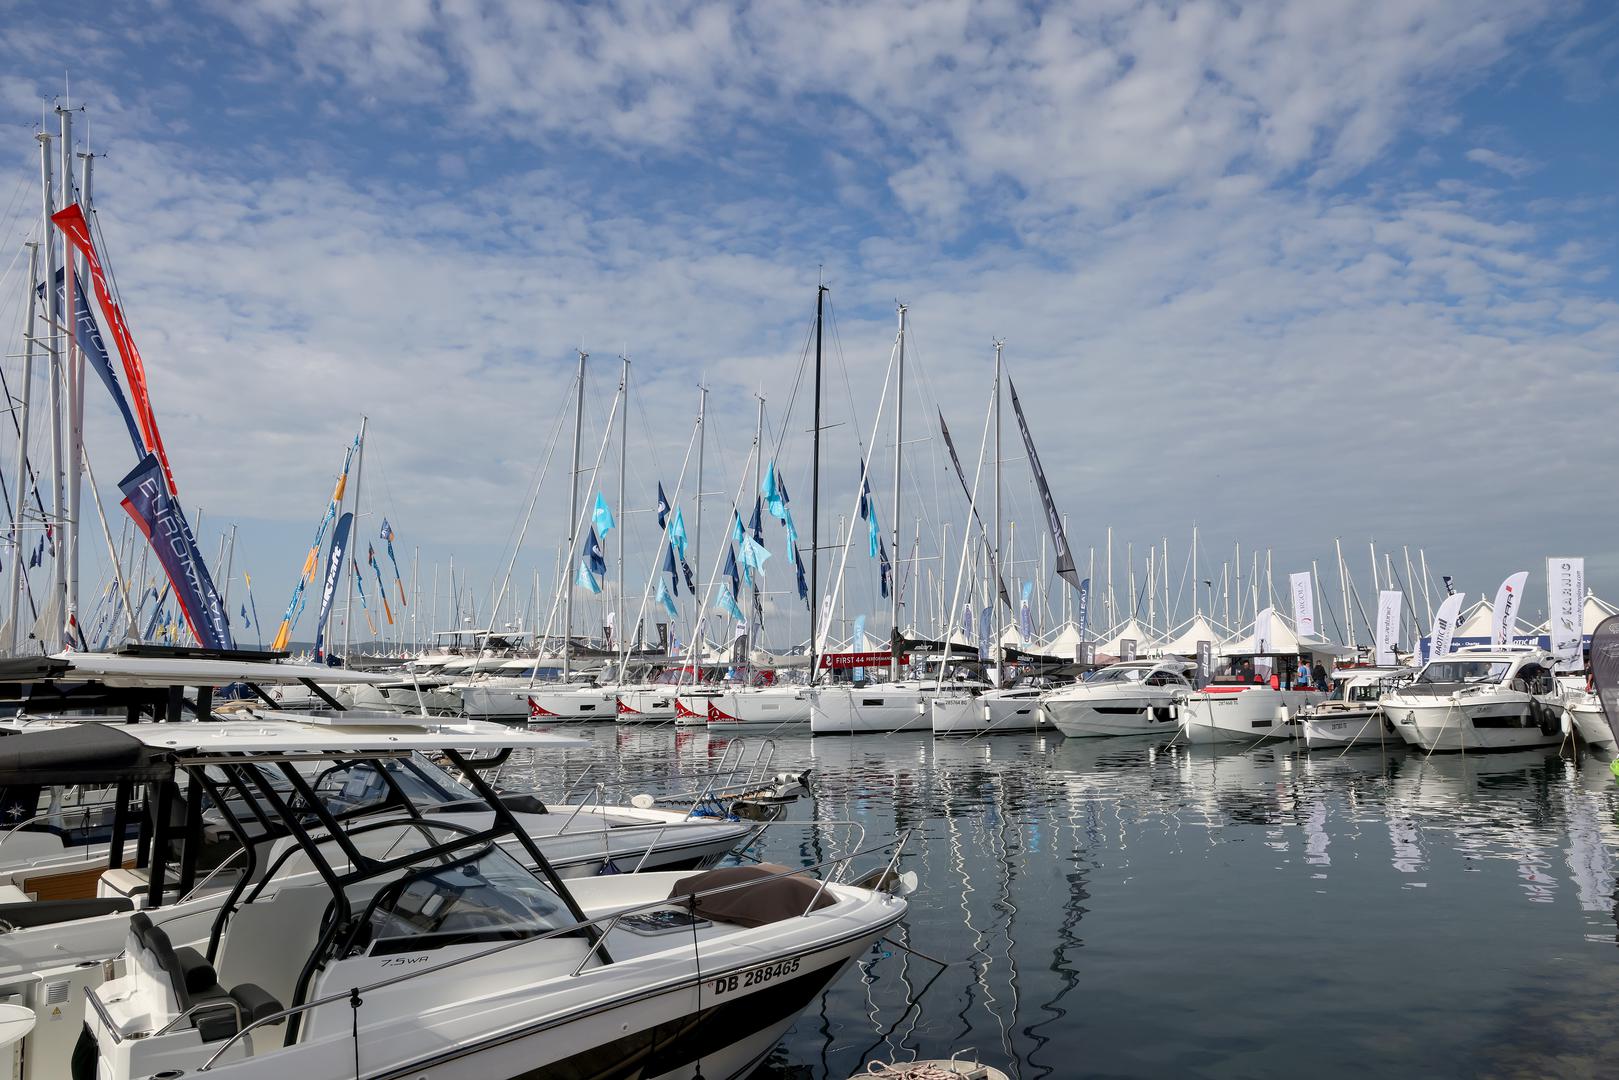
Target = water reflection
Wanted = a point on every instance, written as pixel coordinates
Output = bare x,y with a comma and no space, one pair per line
1139,908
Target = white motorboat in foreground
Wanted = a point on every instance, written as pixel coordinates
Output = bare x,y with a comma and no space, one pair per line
1245,705
422,947
1481,698
1352,715
1137,697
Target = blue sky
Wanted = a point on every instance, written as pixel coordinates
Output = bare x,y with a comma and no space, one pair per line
1291,271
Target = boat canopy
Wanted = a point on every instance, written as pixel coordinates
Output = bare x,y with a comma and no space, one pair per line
80,754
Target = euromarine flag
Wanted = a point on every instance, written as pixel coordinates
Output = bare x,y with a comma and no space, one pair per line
334,572
148,499
88,335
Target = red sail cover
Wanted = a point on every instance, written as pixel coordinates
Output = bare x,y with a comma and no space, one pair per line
77,230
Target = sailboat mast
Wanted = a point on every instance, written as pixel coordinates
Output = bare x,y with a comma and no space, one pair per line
995,605
23,486
52,325
758,477
619,631
74,385
697,537
815,491
899,436
565,573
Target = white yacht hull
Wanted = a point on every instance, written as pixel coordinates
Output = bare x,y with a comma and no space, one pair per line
691,708
1591,725
1347,727
1499,720
871,709
767,709
986,714
1138,711
1243,714
555,705
646,705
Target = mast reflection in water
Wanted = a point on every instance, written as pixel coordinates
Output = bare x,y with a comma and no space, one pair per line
1136,908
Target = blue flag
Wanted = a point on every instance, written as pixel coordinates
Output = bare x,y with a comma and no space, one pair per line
1084,612
775,494
727,604
666,600
737,531
246,625
885,572
88,335
691,582
677,533
159,517
803,583
753,554
334,571
663,506
756,526
669,565
865,490
585,579
593,554
601,516
730,567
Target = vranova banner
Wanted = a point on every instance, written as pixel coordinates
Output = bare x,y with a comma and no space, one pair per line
1565,610
1388,626
1303,605
1444,625
158,515
1508,598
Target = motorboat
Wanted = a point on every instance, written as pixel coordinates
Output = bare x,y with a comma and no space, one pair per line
1481,698
405,945
1352,715
1587,719
1256,698
1136,697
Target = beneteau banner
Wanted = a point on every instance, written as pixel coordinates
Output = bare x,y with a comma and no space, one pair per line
1303,605
1444,625
1388,626
1507,601
77,230
158,515
1565,595
334,572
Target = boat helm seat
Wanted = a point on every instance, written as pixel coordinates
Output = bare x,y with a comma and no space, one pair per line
193,984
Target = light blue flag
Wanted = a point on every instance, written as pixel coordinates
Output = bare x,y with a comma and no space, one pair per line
871,529
775,497
666,600
738,531
792,535
754,553
727,605
602,517
586,580
677,532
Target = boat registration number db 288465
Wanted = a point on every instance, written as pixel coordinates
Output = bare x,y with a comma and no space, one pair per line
759,975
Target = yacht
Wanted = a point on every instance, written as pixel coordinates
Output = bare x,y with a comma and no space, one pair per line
1352,714
780,709
408,945
991,711
1243,704
863,708
1586,717
1137,697
1481,698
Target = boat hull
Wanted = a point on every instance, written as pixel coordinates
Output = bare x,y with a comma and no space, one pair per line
986,714
1245,714
1096,715
868,710
1505,720
770,709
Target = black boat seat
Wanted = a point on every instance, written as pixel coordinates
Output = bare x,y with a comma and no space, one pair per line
195,983
22,916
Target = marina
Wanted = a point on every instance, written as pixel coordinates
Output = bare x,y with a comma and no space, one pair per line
737,541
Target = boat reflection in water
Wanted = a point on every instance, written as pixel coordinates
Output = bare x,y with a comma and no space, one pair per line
1104,904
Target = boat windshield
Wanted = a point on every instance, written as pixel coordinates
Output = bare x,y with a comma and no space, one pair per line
1464,671
1117,675
481,896
354,787
1367,692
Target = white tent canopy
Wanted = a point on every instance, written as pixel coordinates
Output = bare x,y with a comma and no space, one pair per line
1064,641
1131,630
1199,628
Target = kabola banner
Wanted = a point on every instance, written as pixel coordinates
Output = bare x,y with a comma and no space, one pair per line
1388,626
1303,605
158,516
334,574
71,221
1565,604
1444,625
1507,601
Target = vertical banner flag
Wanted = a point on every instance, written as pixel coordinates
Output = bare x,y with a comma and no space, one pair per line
365,607
334,571
663,506
1065,559
1508,598
73,225
1444,625
387,537
1303,605
148,500
1127,649
91,344
1025,619
983,530
1605,669
1450,589
1205,663
1262,630
1565,614
1388,626
601,516
1084,612
382,590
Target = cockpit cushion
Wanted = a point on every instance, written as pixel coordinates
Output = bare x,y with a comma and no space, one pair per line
772,899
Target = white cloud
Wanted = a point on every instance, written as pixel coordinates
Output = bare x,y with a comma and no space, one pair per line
1515,167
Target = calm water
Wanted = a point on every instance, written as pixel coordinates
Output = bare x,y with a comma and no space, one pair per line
1119,907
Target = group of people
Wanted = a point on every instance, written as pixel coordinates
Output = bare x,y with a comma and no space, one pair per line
1305,678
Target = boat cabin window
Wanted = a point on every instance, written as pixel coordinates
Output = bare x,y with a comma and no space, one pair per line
1116,675
1464,671
481,896
1165,678
1367,692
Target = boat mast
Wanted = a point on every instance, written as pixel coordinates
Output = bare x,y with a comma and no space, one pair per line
899,435
996,563
52,325
623,463
23,486
815,492
566,571
758,477
697,537
75,386
352,570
